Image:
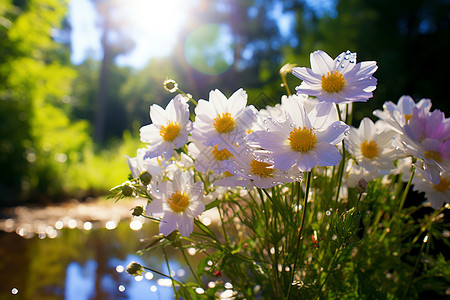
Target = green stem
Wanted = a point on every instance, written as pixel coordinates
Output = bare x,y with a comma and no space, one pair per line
335,256
342,164
187,96
190,267
405,293
359,200
305,201
405,191
170,273
225,235
283,78
162,274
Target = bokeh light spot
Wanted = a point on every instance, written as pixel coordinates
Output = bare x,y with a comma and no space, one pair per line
209,49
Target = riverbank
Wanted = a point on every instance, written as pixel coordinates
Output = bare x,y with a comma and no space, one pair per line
44,221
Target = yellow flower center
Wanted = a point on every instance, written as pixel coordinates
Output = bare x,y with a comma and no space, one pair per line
221,154
407,117
333,82
261,168
369,149
224,123
170,131
433,155
302,139
443,185
178,201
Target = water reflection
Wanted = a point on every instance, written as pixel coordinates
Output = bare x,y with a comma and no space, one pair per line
86,262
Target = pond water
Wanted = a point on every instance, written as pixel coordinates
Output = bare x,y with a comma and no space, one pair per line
81,258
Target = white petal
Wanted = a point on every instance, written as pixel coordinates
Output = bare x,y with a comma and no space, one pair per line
155,209
284,160
218,101
197,207
321,62
297,113
367,129
238,101
158,115
307,161
327,155
307,75
168,224
323,115
185,225
333,134
150,134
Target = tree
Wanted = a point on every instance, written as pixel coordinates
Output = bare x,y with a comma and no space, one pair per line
37,138
114,41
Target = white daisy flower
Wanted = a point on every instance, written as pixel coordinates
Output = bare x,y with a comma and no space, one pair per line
371,146
341,80
397,115
221,121
437,194
207,157
424,134
256,167
304,139
140,164
427,136
357,172
177,203
170,128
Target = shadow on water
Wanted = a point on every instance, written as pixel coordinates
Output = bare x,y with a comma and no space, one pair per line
85,263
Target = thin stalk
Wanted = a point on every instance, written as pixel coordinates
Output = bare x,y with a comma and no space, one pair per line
283,78
359,200
162,274
170,273
190,267
276,205
335,256
402,202
187,96
225,235
305,201
342,164
405,293
405,191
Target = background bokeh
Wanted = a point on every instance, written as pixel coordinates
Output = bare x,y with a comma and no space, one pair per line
71,102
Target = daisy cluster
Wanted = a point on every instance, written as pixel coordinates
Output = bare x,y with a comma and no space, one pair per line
229,144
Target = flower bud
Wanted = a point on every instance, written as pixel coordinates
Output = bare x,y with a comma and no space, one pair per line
170,85
145,178
137,211
134,269
287,68
362,186
127,190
